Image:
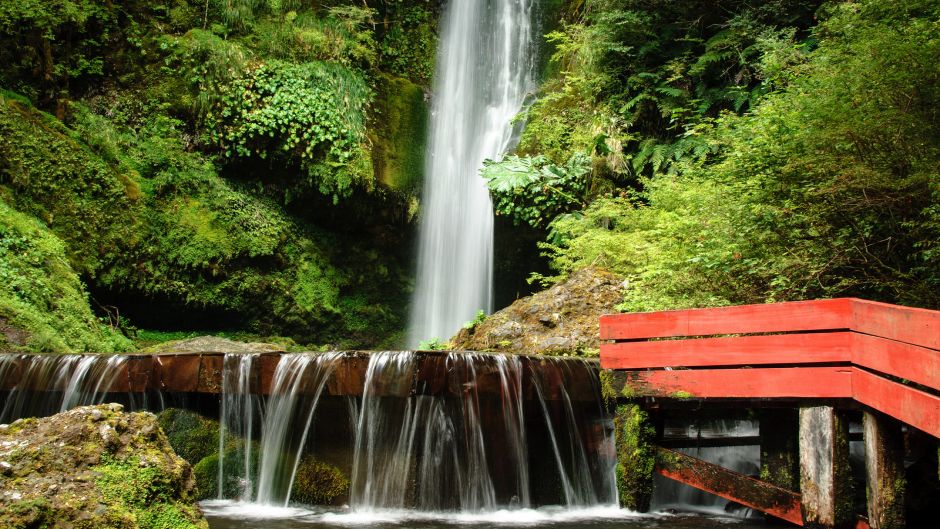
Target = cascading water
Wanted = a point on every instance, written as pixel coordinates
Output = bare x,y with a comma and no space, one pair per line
78,380
424,432
485,69
470,452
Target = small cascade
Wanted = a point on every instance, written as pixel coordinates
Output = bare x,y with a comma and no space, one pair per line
237,413
76,380
669,494
298,383
467,449
587,478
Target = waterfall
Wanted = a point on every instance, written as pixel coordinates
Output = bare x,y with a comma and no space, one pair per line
77,380
467,448
414,432
485,69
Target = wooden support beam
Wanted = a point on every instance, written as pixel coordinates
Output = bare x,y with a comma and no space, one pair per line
633,438
747,491
825,476
884,471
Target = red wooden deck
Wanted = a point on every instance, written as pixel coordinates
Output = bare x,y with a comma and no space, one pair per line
884,356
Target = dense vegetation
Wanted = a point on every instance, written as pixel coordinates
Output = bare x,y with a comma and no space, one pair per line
254,165
235,164
741,152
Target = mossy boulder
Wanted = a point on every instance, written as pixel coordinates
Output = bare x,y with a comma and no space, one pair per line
318,483
561,320
191,435
94,467
206,470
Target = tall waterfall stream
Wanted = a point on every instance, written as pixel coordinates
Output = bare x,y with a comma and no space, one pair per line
485,69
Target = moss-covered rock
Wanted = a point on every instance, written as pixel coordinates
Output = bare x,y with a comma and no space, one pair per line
318,483
192,436
560,320
94,467
400,135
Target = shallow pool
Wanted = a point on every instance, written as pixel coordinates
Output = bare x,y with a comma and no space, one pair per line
234,515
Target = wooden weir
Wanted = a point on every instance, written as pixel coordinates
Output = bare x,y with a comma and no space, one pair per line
882,358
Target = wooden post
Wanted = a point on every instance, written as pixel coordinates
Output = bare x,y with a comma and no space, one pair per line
825,476
636,459
884,470
779,447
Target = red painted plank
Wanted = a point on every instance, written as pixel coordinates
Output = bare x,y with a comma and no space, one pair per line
747,491
904,324
914,407
910,362
827,314
803,382
744,350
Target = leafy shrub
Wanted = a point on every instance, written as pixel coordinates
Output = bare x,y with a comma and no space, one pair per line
534,191
313,112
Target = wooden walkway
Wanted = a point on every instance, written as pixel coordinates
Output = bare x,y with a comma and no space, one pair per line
884,357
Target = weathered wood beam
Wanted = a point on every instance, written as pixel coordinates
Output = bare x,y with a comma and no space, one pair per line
747,491
825,476
884,471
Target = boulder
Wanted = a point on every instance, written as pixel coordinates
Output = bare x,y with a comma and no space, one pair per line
560,320
94,467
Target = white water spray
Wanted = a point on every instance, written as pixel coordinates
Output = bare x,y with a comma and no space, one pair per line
485,69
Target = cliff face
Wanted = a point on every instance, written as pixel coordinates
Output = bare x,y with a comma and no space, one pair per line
94,467
560,320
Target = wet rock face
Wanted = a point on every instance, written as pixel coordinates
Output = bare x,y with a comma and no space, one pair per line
94,467
560,320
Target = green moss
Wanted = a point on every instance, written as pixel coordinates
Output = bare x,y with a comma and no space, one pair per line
318,483
636,458
400,137
41,296
206,471
144,495
608,392
192,436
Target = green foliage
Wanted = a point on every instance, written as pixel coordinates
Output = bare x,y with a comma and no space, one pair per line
827,188
534,191
433,344
409,45
478,319
46,45
312,111
639,79
42,296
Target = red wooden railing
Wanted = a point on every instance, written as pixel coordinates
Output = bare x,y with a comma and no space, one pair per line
884,356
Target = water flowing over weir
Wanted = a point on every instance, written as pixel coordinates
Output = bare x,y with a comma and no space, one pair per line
485,69
432,433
